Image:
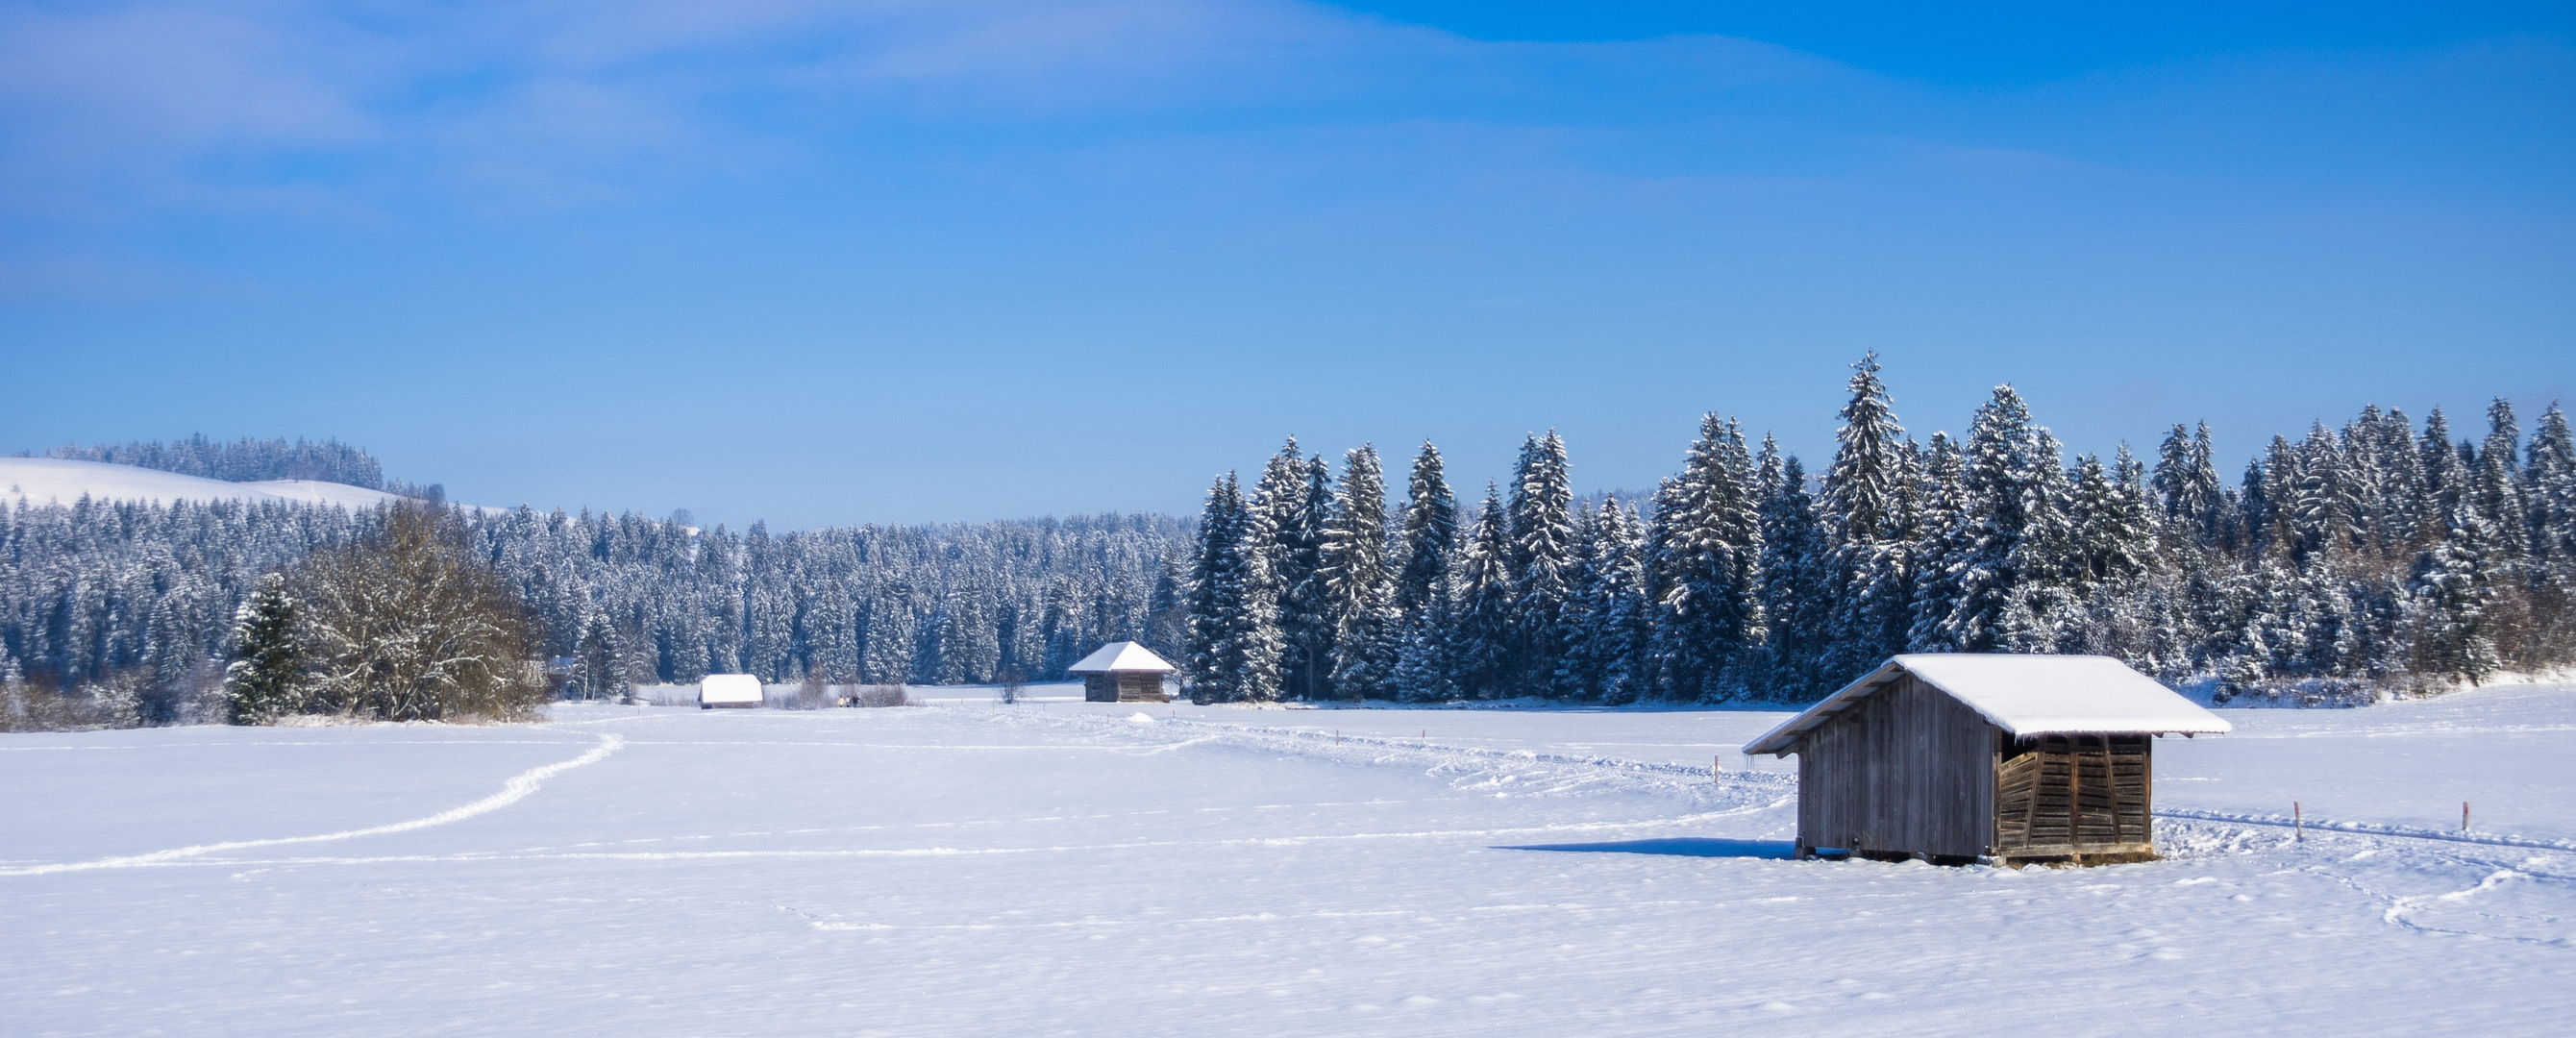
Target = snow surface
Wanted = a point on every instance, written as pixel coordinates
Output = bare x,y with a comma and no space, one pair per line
1056,867
2024,695
1121,656
322,493
64,481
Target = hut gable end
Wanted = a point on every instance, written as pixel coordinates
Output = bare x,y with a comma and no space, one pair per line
1910,770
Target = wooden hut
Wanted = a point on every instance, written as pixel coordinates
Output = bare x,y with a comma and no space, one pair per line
2007,759
1123,672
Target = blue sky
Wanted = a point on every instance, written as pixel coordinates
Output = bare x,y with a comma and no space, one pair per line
892,262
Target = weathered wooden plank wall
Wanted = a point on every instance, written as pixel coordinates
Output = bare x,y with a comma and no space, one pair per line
1099,688
2076,794
1909,770
1141,688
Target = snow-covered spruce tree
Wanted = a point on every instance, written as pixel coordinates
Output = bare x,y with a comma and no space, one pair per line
1167,612
1430,534
1422,670
1797,603
1360,589
2449,596
891,635
408,626
1618,623
2115,541
1542,535
1217,597
2010,528
1946,534
1867,507
2445,485
265,680
2551,475
2499,492
1481,629
1703,566
1307,618
1258,652
1290,507
2316,506
2392,475
599,670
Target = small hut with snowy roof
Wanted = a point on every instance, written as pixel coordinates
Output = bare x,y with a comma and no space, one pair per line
2009,759
1123,672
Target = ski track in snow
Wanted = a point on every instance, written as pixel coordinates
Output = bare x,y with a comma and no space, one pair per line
513,791
959,864
1660,777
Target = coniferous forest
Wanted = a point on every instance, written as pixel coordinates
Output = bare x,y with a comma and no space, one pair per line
135,604
2380,555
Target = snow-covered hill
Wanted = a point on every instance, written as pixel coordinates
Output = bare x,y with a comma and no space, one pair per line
39,480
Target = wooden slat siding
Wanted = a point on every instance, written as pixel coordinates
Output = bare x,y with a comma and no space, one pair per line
1099,688
1910,770
2075,794
1141,688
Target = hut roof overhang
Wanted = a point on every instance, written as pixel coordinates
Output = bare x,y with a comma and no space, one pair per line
2025,695
1121,658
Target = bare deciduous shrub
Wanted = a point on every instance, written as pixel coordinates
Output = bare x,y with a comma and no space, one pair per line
1015,685
408,626
885,695
34,704
813,694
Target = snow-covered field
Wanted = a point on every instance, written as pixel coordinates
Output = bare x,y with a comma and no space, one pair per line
1061,867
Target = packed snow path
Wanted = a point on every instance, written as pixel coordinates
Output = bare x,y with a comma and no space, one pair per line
1080,869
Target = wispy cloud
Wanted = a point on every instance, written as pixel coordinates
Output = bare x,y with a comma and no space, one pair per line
148,106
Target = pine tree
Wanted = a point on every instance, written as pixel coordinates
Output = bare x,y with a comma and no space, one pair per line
2009,530
1422,668
2114,539
1430,534
2551,475
2445,485
599,670
2450,599
1618,619
1291,505
1796,601
2498,486
1867,509
1704,547
1358,586
892,634
1481,635
1259,650
1542,534
265,680
1217,593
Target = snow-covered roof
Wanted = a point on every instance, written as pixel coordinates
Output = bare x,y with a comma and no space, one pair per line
1121,656
2023,695
729,688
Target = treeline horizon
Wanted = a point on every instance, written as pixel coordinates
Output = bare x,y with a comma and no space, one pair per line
2375,555
2342,562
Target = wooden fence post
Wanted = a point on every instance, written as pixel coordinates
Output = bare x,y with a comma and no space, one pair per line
2298,824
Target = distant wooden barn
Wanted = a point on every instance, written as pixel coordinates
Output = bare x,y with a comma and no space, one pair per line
1123,672
2002,758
